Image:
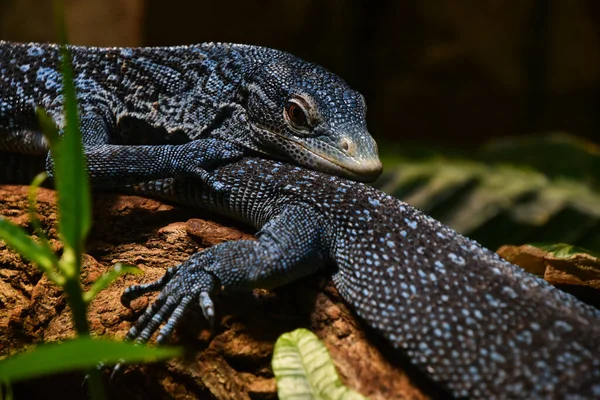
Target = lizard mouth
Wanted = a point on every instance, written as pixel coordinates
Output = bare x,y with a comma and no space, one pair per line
363,169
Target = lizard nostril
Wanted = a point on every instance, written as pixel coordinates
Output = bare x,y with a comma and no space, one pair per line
348,146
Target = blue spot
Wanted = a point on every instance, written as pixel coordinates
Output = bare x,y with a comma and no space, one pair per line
497,357
492,300
510,292
563,325
410,223
126,52
35,51
524,337
50,76
374,202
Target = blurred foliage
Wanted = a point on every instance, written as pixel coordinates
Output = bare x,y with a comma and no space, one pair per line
557,156
81,353
539,189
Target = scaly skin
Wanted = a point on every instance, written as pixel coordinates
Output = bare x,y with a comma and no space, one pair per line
151,113
476,324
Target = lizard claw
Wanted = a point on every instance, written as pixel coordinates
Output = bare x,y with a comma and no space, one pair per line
116,371
179,287
208,308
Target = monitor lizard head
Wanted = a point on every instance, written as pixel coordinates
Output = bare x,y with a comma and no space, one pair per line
308,115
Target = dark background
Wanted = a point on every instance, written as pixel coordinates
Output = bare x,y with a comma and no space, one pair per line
449,73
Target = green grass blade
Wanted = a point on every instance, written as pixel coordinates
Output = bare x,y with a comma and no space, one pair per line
71,181
48,127
78,354
108,278
304,369
22,243
6,391
32,196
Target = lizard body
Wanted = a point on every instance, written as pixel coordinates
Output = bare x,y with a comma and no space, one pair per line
476,324
151,113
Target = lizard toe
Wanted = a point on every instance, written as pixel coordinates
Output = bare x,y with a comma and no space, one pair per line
164,313
208,308
167,329
136,291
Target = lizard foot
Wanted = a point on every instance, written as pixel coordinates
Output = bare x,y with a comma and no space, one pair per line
179,287
195,157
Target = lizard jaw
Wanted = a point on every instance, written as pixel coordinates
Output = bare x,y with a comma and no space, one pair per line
363,169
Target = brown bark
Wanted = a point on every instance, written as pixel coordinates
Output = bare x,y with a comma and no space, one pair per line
231,363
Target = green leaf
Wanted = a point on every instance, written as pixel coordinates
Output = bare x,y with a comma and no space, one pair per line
108,278
304,370
70,174
6,392
35,222
564,251
48,127
78,354
22,243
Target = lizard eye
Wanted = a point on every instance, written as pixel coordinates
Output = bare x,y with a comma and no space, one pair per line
296,114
